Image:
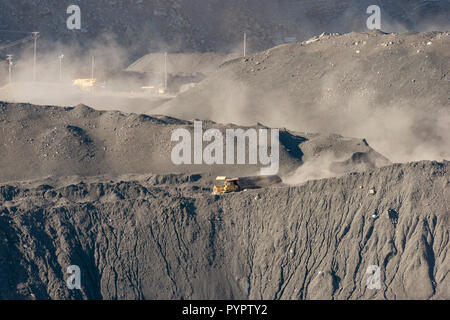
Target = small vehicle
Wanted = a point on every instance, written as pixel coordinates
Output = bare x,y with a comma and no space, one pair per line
84,84
224,185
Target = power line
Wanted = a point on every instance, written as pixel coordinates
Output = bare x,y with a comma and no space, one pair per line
12,44
17,41
15,31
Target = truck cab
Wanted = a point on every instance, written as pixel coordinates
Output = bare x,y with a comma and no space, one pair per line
224,185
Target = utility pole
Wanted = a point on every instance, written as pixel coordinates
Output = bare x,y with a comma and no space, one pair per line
165,70
9,58
92,74
60,57
35,35
92,67
245,44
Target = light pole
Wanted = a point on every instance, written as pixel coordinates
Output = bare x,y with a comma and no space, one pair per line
92,74
9,58
165,70
92,67
35,35
60,57
245,44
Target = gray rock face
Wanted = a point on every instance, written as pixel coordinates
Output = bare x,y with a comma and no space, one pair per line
162,237
215,25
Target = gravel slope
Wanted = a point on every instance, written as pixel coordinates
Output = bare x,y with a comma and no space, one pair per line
392,89
160,237
41,141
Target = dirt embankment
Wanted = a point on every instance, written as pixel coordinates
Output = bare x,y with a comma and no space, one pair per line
392,89
167,237
38,141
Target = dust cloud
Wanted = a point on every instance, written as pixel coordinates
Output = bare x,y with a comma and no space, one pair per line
401,128
105,60
313,169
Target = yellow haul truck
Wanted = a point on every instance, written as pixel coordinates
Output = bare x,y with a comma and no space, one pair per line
84,84
225,185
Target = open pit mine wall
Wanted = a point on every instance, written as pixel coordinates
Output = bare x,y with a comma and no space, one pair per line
133,240
143,26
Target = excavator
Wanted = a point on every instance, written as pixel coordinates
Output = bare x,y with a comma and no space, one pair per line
226,185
